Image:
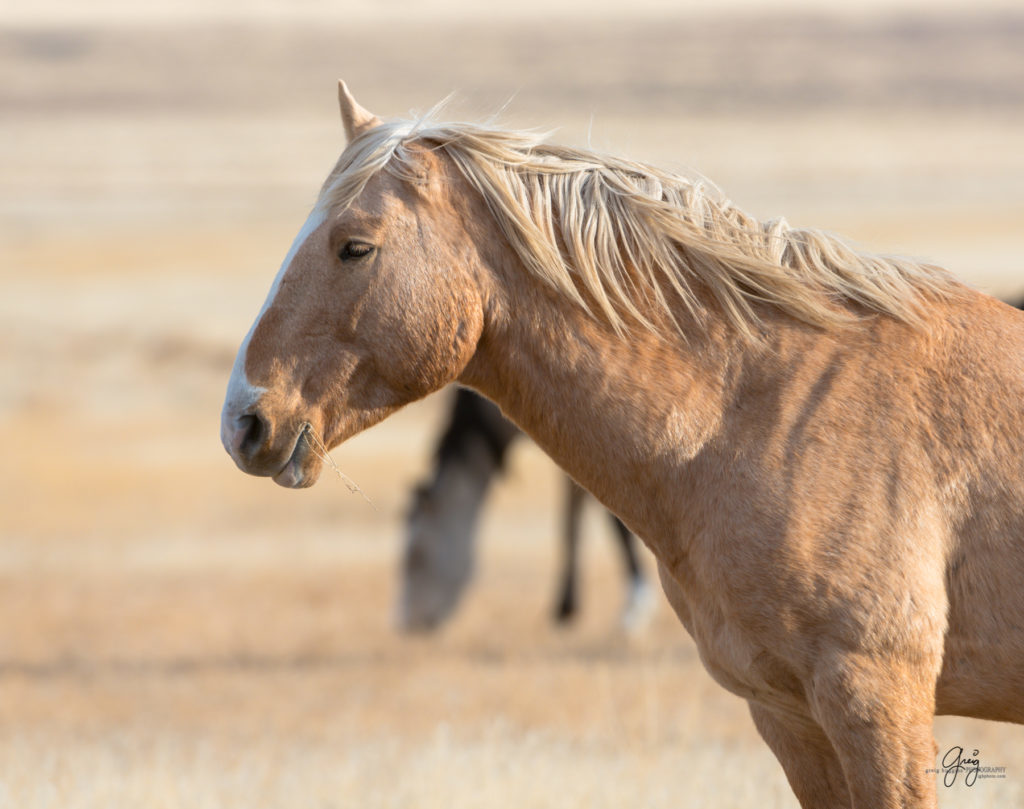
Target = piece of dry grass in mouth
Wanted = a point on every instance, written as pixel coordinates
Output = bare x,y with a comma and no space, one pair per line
317,445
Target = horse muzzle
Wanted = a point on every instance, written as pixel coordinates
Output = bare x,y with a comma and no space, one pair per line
257,448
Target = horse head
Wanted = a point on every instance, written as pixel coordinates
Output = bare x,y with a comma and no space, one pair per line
377,304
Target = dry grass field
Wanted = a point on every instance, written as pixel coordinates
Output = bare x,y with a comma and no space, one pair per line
176,635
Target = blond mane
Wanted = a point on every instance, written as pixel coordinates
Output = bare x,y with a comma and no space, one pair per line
625,237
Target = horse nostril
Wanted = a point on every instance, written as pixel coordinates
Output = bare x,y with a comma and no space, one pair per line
253,432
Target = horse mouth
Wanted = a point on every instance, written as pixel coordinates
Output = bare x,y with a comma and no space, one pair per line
301,470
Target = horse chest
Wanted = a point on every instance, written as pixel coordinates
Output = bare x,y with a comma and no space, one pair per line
739,660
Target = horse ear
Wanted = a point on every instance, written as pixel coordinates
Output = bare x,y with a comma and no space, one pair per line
356,119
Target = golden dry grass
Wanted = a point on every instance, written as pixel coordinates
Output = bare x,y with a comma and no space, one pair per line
174,634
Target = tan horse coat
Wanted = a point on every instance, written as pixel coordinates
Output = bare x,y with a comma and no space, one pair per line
837,510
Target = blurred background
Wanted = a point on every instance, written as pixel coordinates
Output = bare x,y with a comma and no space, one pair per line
175,634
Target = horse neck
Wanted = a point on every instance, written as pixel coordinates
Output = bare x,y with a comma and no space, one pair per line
622,415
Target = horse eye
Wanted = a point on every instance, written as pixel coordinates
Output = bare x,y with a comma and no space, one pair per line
355,250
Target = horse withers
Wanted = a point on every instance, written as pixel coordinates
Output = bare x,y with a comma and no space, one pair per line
823,448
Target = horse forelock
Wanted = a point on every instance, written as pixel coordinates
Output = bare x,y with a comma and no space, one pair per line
624,238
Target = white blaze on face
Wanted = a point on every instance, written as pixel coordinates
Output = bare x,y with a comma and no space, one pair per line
241,395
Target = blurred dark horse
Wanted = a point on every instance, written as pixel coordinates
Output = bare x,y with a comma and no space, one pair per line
437,562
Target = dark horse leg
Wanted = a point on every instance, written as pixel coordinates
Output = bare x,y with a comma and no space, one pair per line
640,598
566,606
627,544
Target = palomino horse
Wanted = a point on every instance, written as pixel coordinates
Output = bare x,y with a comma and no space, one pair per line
823,448
437,560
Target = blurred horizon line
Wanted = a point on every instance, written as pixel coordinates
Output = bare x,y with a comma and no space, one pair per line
130,12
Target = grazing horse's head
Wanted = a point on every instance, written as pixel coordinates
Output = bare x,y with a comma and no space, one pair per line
438,558
376,305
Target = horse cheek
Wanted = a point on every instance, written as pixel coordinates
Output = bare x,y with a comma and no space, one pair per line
404,357
441,341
